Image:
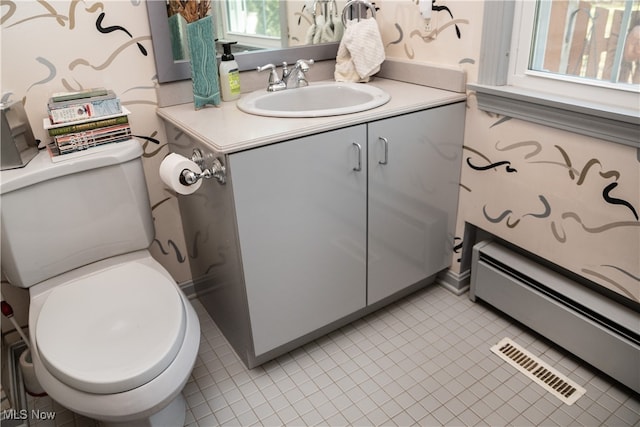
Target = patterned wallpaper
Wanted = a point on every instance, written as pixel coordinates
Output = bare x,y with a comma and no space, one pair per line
571,199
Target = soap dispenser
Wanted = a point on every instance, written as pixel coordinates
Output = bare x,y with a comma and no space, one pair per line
229,74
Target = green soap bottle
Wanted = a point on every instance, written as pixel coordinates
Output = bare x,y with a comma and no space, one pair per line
229,74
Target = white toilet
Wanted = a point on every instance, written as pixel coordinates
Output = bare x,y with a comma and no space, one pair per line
113,337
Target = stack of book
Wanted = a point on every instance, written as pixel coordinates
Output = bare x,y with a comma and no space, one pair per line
80,120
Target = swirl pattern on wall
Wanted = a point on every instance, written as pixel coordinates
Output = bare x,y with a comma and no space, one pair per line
565,216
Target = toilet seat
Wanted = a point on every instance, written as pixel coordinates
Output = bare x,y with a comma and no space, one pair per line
112,330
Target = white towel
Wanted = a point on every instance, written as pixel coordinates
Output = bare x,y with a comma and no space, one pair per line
360,52
319,21
345,69
332,30
311,33
338,29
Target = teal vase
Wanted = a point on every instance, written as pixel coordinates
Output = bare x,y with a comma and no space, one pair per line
204,66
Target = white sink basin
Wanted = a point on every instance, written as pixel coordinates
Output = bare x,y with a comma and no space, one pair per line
315,100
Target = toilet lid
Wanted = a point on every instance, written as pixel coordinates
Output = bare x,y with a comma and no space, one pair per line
113,330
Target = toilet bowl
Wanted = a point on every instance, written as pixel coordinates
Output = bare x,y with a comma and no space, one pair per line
123,345
113,337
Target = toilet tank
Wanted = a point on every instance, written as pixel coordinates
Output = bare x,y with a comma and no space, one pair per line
59,216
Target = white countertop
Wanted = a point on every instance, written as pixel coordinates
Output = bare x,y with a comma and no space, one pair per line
226,129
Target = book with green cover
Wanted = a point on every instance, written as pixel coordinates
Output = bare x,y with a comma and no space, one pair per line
81,127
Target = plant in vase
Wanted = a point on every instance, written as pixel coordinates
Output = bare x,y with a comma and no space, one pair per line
191,10
202,49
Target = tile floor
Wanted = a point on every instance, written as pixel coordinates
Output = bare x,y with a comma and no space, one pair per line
424,360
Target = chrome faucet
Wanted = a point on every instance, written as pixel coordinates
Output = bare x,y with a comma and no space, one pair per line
297,73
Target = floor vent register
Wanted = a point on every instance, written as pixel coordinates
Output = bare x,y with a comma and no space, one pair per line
540,372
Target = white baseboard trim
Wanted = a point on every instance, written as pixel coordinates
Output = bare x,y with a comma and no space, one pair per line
458,283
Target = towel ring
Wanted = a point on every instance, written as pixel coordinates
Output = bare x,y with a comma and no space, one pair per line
347,8
333,8
327,6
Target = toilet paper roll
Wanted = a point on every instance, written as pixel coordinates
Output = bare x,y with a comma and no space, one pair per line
171,169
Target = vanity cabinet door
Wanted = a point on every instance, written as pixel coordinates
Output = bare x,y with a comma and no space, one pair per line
414,171
301,214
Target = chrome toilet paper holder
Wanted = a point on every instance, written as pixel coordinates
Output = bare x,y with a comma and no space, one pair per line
210,167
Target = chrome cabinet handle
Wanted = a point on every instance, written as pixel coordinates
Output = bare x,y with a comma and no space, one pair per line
359,148
386,151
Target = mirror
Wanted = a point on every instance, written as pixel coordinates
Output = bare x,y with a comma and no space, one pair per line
295,21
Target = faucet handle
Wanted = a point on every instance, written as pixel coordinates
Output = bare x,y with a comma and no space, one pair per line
274,81
273,76
303,64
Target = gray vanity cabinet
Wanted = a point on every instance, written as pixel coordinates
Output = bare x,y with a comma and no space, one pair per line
333,224
301,208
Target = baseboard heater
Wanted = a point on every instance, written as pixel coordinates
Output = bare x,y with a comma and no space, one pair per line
601,331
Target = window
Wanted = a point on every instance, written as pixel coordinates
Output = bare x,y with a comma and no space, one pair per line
261,17
569,64
251,22
596,41
569,46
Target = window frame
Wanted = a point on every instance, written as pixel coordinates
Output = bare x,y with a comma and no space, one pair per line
496,92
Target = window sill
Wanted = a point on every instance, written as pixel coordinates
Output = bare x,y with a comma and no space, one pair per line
601,121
